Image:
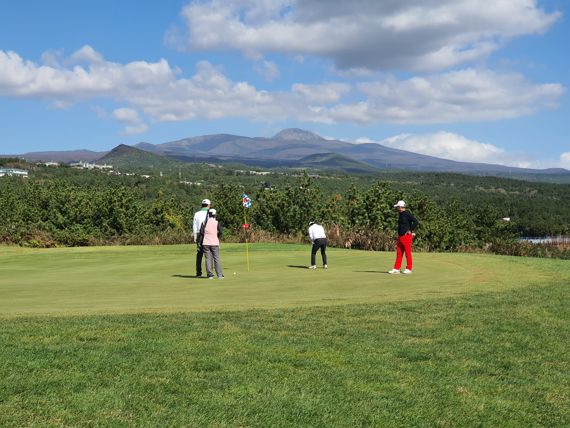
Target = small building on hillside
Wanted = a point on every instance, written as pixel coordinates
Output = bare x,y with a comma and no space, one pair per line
87,165
13,172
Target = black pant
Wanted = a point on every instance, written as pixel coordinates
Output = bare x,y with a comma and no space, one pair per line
322,244
199,255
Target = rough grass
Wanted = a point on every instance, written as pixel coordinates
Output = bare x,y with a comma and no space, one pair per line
469,355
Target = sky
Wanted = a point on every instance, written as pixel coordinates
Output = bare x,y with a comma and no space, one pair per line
448,78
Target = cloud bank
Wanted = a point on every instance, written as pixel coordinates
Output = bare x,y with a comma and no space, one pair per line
417,35
448,145
159,91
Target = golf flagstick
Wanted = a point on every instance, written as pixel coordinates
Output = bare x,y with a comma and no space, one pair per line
246,202
245,228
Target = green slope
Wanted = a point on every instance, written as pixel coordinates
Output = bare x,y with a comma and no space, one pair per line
336,162
128,157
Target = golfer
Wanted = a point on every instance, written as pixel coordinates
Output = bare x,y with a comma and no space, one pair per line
319,240
407,224
212,233
199,218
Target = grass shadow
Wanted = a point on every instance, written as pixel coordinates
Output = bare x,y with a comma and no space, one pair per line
189,276
298,266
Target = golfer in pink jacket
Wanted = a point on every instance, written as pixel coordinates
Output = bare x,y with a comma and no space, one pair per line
211,244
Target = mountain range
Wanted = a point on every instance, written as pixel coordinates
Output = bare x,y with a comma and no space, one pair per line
290,148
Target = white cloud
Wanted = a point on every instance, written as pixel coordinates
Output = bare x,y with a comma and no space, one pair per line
325,93
126,115
268,69
52,58
88,55
448,145
22,78
565,160
464,95
158,90
373,34
134,123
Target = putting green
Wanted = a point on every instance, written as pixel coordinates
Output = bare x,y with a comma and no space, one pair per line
160,278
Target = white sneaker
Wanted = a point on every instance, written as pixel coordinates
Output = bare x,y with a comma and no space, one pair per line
407,271
312,267
325,267
393,271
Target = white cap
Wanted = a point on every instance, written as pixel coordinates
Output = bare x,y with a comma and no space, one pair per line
401,204
212,212
206,202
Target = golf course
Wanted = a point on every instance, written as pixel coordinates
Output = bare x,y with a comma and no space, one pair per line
128,336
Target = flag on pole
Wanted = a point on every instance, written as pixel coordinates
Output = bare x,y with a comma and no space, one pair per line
246,201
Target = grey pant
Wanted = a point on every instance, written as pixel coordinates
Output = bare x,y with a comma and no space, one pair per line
212,253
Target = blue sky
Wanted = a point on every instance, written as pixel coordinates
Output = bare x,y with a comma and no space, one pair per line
447,78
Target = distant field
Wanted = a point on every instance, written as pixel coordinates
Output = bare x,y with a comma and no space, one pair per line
124,336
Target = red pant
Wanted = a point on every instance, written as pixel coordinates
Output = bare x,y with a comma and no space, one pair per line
404,245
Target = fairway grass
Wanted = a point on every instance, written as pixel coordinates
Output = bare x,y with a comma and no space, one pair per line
125,337
160,278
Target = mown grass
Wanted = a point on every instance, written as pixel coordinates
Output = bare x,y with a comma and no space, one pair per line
136,279
493,357
485,360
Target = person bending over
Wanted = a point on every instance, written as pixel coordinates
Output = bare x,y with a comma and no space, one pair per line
319,239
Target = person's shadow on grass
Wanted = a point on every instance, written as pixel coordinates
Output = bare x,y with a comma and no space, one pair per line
298,266
189,276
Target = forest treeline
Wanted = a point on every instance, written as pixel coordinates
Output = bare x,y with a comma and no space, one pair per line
94,209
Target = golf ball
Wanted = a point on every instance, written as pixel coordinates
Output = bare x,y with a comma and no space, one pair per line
235,273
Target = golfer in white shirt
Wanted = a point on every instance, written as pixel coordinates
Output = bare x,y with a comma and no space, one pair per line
199,218
319,239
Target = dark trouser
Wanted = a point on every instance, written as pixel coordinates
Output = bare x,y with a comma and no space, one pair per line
199,255
322,244
212,253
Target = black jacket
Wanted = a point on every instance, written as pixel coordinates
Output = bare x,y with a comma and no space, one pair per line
406,223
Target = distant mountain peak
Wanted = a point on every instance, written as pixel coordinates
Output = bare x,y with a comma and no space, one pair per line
125,151
123,148
297,134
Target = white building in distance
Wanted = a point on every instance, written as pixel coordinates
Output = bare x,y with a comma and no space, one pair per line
13,172
87,165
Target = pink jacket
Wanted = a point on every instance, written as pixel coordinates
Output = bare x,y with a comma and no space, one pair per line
211,232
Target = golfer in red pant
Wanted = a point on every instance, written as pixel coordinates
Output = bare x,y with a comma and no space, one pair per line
407,223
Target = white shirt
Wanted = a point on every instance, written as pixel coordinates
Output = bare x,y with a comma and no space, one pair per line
199,218
316,231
